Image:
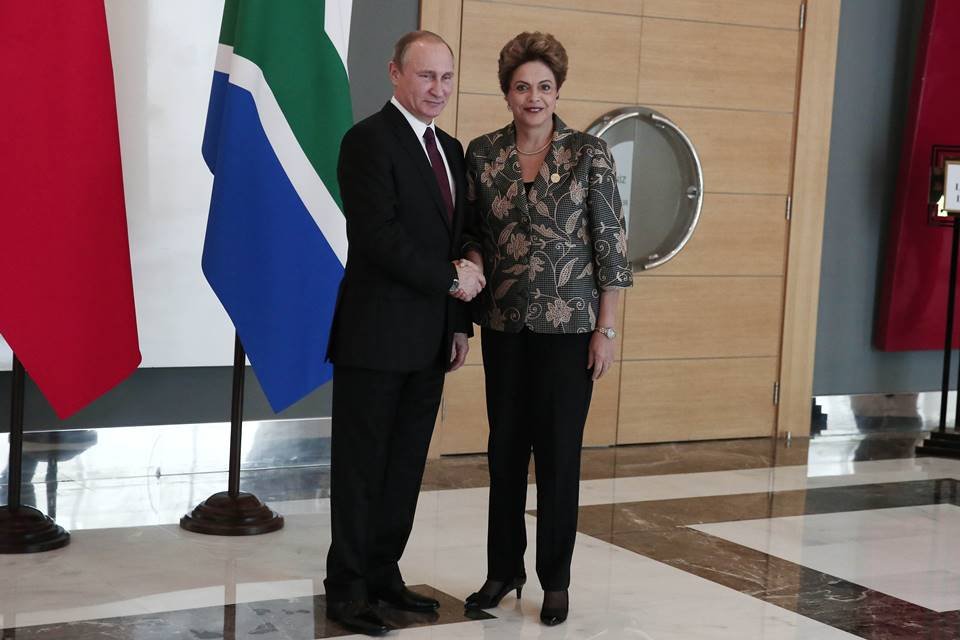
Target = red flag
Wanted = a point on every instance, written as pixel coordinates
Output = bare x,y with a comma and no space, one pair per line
66,290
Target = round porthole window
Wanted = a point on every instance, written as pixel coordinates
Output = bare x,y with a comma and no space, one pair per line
661,182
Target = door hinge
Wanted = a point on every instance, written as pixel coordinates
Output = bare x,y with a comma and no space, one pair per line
788,210
803,15
776,393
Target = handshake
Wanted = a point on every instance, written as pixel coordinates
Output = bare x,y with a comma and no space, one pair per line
470,275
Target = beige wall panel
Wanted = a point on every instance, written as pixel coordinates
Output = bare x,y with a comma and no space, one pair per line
711,317
603,48
436,450
601,427
621,315
741,152
662,401
713,65
480,114
475,355
806,231
737,235
464,427
747,157
781,14
580,114
629,7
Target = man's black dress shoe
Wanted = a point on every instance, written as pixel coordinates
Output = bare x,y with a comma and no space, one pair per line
492,592
405,599
357,616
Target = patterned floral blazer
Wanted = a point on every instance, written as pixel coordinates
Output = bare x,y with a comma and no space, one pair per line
545,256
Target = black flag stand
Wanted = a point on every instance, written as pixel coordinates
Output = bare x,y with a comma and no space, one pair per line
945,442
23,529
232,513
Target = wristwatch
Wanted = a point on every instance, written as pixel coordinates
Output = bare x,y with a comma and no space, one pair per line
608,332
455,285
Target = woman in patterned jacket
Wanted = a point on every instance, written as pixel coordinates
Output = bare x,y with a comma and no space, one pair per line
545,223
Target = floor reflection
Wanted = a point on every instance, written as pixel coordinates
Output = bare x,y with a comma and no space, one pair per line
163,450
46,450
168,469
880,413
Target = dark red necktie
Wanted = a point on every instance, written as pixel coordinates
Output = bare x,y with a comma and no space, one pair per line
439,170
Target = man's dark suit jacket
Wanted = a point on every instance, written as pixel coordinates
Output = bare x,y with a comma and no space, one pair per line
394,312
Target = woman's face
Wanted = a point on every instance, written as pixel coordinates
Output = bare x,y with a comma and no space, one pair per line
532,95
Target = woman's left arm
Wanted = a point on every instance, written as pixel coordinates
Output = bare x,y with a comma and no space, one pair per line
607,228
603,349
612,269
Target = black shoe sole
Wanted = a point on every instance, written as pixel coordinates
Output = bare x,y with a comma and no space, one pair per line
362,627
552,621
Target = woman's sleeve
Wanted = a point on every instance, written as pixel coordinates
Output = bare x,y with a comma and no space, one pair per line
607,229
471,225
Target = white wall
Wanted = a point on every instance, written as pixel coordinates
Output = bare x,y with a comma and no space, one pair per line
163,54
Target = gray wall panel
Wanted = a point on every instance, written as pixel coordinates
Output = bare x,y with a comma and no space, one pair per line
874,68
375,27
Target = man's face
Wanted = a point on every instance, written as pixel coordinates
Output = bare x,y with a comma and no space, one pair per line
424,83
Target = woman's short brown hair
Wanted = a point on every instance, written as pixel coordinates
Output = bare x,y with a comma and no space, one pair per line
529,47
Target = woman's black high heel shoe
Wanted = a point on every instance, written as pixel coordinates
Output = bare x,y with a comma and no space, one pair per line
490,595
556,605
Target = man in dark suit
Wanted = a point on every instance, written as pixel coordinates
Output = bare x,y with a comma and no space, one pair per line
399,326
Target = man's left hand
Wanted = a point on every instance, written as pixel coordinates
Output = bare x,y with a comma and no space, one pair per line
458,354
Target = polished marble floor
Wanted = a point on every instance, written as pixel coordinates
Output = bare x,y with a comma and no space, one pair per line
744,539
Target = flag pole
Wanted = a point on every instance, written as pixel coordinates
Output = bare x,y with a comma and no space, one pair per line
236,417
232,512
23,529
